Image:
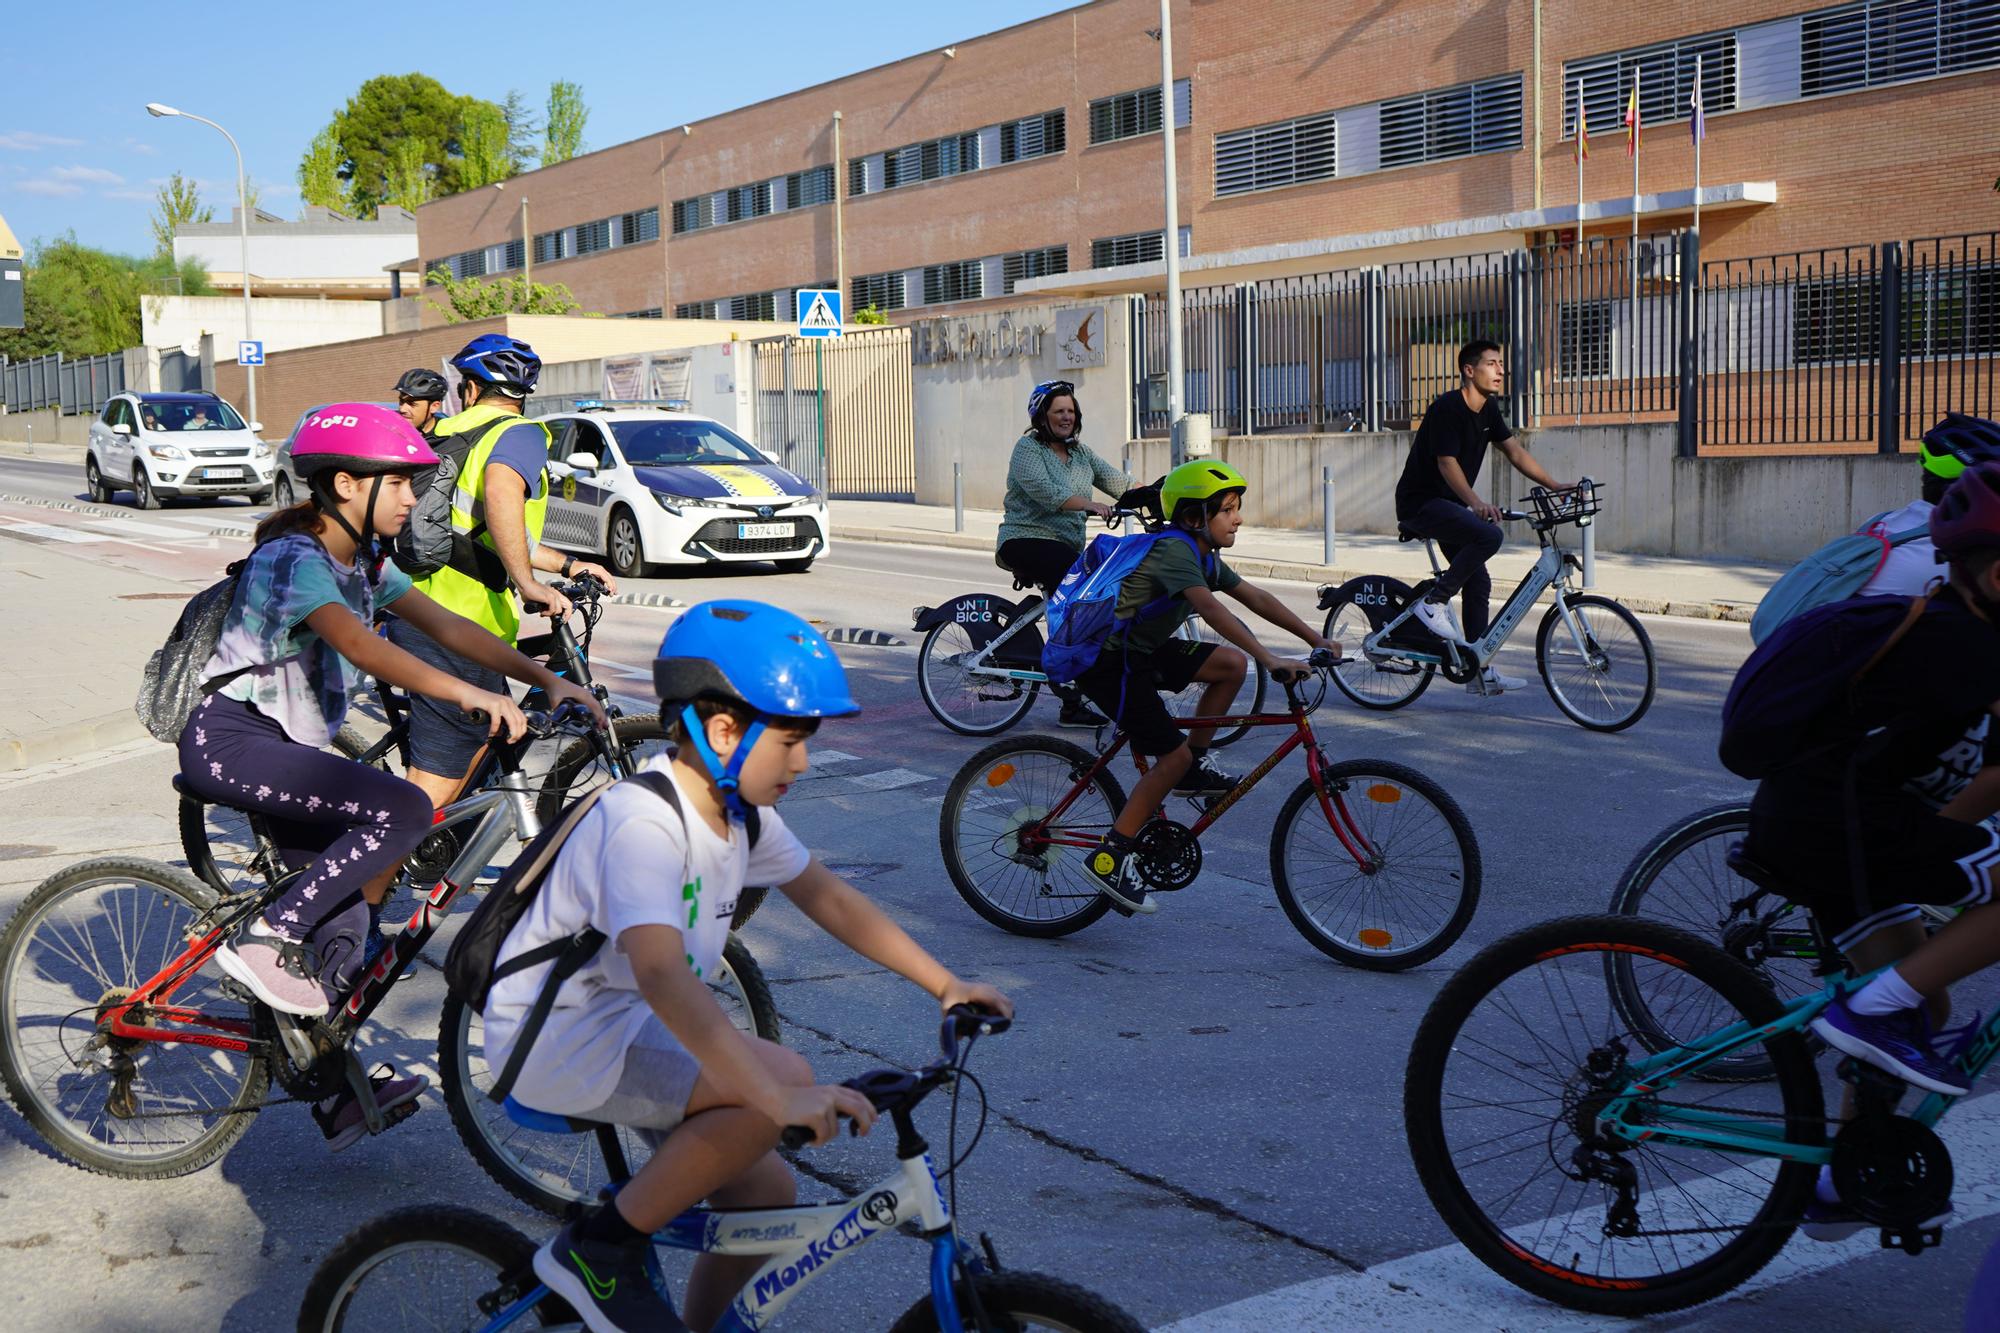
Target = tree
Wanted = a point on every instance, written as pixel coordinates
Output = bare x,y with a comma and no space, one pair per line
408,182
870,314
177,204
84,302
563,138
488,155
319,172
469,298
522,129
390,109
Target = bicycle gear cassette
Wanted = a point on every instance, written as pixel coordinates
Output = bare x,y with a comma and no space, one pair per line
1167,855
1892,1170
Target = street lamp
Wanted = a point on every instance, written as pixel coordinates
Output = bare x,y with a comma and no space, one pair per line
243,223
1177,444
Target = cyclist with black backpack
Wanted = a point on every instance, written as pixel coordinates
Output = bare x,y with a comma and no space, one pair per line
1855,809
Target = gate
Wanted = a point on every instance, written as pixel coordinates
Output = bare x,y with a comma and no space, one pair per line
840,412
179,372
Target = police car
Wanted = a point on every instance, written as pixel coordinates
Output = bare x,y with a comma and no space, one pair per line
660,486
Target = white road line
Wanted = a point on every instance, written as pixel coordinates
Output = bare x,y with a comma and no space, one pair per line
51,533
134,526
889,778
1447,1287
833,758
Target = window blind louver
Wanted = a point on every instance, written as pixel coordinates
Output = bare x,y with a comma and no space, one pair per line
1666,81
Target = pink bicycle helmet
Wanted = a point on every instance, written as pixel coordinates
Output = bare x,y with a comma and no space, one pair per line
358,438
1968,518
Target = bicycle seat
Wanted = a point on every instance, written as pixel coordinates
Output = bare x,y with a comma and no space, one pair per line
1748,867
1020,580
1405,534
547,1122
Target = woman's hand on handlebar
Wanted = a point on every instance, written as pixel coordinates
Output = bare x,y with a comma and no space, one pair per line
568,692
818,1109
499,712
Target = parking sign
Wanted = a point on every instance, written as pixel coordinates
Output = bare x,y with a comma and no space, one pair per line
249,353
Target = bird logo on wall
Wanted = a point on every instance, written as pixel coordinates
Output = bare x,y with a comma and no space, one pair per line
1078,342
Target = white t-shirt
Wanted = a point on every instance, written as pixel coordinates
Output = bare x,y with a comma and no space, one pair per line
631,862
1911,566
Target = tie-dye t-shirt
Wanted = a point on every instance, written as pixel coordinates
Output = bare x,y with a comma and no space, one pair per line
295,678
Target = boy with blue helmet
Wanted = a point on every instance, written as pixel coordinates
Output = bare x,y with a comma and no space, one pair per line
636,1037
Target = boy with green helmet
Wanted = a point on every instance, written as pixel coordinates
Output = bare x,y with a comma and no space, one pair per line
1204,500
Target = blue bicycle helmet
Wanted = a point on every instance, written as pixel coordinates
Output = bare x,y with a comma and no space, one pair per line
1038,405
508,364
754,655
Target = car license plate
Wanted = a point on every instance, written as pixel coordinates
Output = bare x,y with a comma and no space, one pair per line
756,531
221,474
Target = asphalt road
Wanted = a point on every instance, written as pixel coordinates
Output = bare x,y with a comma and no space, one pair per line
1195,1109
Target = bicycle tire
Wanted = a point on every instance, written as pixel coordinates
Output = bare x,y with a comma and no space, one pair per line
164,939
577,771
215,839
1440,1036
1352,946
331,1291
1573,709
1184,704
527,1163
935,688
1016,1300
983,767
1355,676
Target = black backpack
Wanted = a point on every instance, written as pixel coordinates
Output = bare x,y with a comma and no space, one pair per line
1793,699
472,964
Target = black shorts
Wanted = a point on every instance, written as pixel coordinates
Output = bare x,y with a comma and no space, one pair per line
442,739
1911,855
1128,692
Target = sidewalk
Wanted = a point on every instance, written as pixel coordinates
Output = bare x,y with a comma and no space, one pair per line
74,677
1659,585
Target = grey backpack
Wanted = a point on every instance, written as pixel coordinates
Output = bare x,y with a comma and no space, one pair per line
429,542
172,684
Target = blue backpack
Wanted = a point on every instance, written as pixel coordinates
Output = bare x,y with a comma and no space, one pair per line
1083,609
1793,699
1836,571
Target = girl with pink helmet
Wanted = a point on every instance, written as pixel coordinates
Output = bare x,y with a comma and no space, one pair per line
297,638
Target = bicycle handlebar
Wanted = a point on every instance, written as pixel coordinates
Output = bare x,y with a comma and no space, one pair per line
541,724
893,1090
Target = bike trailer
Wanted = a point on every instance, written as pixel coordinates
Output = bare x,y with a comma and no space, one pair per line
1836,571
472,965
1083,610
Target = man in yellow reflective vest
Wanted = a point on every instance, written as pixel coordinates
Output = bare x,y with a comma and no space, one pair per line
501,497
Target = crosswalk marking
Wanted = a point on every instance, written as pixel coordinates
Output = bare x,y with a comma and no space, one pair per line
133,525
48,532
889,778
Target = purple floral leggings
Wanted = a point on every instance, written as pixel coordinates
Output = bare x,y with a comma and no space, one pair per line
346,821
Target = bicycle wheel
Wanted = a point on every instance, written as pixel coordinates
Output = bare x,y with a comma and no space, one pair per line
1412,901
1249,698
553,1171
970,705
1023,1300
1681,878
216,839
579,769
1382,686
426,1267
1504,1074
1030,884
138,1109
1606,681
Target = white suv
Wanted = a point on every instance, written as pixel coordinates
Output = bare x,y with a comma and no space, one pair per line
162,445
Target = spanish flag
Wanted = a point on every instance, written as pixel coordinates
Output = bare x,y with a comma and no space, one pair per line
1582,125
1632,119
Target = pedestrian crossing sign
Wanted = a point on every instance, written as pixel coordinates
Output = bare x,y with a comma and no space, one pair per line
819,312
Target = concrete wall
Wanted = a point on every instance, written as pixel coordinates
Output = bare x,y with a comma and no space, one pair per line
280,324
46,426
971,408
323,247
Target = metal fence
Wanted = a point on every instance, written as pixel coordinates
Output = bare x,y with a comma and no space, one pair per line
840,412
1838,347
83,384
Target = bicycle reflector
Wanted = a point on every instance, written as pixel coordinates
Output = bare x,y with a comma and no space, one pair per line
1383,793
1000,775
1375,939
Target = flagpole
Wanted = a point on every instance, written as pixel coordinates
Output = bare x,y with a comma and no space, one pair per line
1582,138
1632,286
1698,137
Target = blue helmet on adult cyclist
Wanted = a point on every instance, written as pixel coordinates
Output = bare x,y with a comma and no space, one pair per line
754,656
1039,399
508,364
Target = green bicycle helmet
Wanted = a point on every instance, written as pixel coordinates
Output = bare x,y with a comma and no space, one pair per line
1202,480
1959,442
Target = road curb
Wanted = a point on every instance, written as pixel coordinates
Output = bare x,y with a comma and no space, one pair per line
70,740
218,529
1296,571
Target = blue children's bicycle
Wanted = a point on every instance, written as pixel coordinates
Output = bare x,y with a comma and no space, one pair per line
433,1267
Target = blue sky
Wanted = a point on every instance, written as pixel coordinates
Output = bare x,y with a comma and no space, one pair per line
79,153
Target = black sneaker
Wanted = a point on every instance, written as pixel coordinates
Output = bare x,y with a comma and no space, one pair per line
1080,715
1203,778
1109,865
606,1284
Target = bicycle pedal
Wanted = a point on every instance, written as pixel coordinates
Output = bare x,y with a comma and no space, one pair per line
1913,1242
396,1115
235,990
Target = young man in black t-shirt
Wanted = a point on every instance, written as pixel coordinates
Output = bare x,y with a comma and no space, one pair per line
1436,496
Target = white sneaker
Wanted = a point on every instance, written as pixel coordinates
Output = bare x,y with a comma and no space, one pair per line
1492,682
1437,618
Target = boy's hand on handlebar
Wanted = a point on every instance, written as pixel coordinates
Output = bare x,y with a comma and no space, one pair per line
1284,670
568,692
501,712
977,994
1489,512
820,1107
1328,646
